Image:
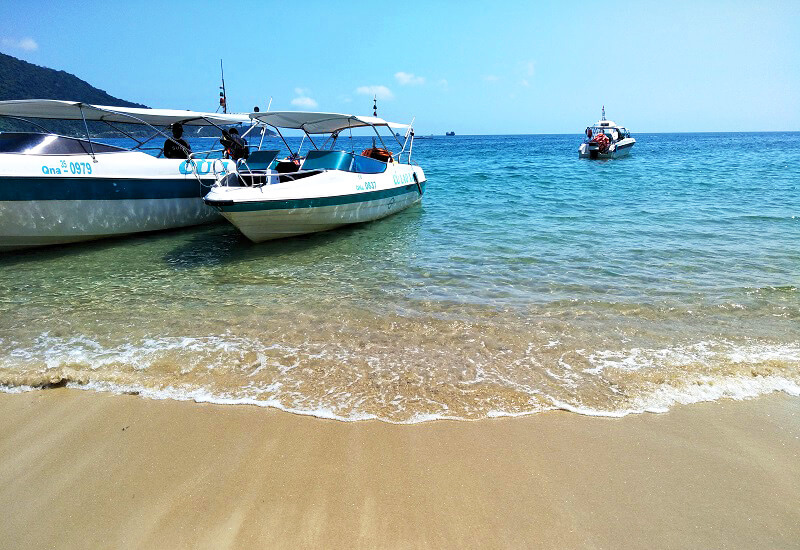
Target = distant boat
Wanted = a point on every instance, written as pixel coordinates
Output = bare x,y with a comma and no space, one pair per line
606,140
450,134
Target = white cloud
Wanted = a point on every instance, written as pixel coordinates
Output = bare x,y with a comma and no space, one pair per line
28,44
305,102
491,78
406,79
381,92
442,84
303,98
525,82
530,68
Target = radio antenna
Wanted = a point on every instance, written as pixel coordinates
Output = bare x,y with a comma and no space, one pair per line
223,98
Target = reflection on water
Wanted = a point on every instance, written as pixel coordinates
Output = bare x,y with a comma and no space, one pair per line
523,282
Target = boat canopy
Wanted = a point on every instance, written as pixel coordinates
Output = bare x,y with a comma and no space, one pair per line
320,123
76,110
605,124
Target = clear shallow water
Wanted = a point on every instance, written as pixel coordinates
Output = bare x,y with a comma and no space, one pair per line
527,280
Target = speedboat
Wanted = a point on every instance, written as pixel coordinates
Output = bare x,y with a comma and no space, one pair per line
270,198
57,189
606,140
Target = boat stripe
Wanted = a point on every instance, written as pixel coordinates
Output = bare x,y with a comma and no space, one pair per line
315,202
50,189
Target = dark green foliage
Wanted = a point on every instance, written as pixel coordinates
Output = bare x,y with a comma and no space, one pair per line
22,80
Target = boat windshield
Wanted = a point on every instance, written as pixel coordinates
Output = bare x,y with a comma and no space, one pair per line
341,160
611,132
29,143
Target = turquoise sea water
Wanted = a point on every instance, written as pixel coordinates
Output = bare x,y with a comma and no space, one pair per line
528,279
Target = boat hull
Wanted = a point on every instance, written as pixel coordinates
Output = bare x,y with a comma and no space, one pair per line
44,201
276,215
28,224
617,150
263,225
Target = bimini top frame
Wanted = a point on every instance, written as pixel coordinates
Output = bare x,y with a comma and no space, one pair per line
77,110
320,123
331,123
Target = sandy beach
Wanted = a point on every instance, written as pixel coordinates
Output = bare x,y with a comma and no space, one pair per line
451,278
87,470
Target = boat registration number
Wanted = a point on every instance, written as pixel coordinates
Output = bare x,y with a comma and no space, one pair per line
81,168
366,186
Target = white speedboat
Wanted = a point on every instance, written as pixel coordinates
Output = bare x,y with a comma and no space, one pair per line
56,189
606,140
268,198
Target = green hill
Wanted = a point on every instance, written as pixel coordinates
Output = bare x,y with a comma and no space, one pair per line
22,80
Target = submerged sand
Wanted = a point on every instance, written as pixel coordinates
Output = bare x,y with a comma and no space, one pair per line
88,470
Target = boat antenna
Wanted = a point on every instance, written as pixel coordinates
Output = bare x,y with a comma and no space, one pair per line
375,105
223,98
604,113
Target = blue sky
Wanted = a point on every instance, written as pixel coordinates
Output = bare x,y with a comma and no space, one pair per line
472,67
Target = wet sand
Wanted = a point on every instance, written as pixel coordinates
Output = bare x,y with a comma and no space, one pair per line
88,470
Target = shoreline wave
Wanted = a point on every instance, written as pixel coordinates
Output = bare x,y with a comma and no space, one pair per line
660,401
490,375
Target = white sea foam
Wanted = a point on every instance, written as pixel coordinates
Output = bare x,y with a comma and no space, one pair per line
587,411
660,401
693,387
714,389
515,414
703,352
708,389
204,396
5,388
54,351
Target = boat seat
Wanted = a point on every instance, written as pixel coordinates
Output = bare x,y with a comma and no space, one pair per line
260,160
377,153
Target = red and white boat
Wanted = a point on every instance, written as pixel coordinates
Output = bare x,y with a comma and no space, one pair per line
606,140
